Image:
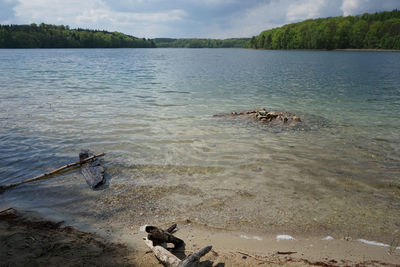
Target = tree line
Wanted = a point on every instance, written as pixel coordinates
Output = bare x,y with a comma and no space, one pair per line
201,43
52,36
368,31
60,36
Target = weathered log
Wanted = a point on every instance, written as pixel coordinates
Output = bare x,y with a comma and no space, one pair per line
166,257
170,260
159,236
171,228
45,175
6,210
92,170
194,259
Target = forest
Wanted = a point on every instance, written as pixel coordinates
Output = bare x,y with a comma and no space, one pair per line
52,36
368,31
201,43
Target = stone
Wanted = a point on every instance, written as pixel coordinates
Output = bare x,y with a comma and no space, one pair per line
268,117
91,170
262,112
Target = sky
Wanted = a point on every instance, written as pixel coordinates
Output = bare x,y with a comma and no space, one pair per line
182,18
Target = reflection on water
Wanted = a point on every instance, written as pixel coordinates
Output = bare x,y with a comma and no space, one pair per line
151,111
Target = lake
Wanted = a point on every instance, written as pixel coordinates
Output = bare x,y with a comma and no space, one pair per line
169,159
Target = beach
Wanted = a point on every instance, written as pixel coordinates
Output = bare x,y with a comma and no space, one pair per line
26,238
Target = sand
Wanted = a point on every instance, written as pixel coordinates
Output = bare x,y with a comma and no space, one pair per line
27,240
31,241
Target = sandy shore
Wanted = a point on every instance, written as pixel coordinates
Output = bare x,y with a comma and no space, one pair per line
30,241
26,240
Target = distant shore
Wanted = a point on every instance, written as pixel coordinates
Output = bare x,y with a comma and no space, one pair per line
32,240
367,50
345,49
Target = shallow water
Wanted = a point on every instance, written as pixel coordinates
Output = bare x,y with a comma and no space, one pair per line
168,158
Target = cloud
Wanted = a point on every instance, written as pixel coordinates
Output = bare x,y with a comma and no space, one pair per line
357,7
349,6
304,9
182,18
6,9
94,14
253,20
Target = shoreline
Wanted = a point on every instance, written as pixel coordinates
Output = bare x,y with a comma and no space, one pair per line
245,48
366,50
238,248
343,49
51,242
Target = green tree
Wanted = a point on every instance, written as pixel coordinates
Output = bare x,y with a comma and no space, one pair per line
52,36
378,30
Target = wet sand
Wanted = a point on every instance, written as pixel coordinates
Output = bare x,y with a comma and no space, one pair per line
29,240
231,248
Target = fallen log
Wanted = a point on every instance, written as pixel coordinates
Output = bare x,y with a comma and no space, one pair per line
194,259
172,228
6,210
162,254
159,236
170,260
45,175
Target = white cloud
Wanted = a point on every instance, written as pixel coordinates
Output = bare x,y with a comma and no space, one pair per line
93,14
182,18
350,6
254,20
305,9
356,7
275,13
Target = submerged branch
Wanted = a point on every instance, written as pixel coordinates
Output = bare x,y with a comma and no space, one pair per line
43,176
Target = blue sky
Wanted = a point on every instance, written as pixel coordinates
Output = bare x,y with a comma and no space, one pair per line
182,18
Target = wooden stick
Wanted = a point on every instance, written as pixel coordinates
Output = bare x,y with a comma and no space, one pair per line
171,228
255,257
170,260
286,252
5,187
194,259
163,255
159,236
6,210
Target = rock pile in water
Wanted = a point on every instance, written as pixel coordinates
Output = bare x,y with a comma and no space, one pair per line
269,117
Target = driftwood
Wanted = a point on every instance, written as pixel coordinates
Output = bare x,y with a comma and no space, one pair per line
160,236
42,176
172,228
6,210
166,257
170,260
194,259
256,258
286,252
91,170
